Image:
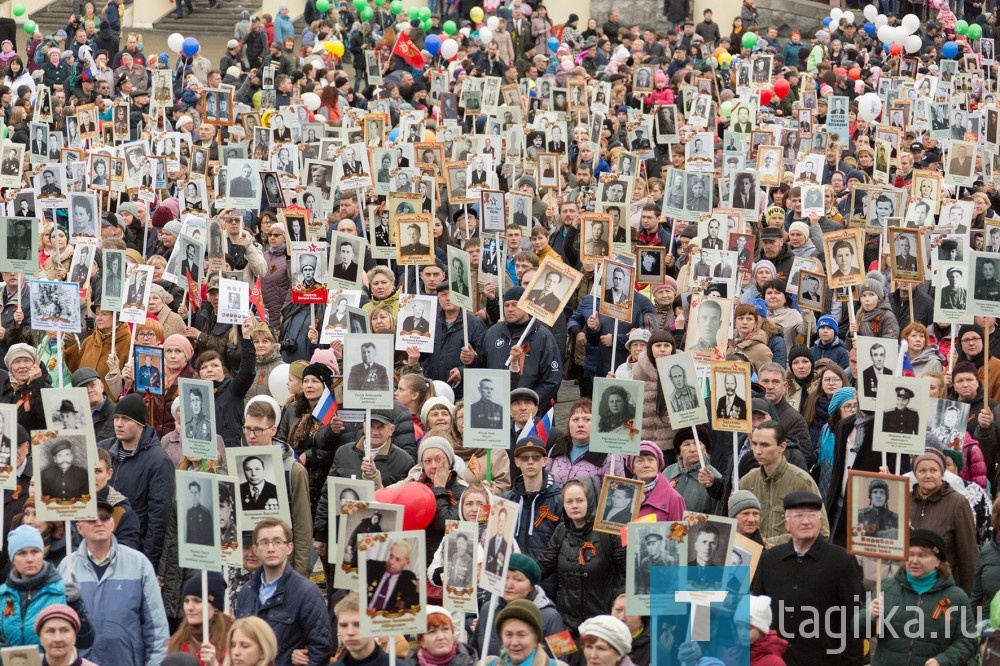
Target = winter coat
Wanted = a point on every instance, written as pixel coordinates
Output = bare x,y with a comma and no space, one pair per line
392,462
591,467
146,478
697,497
265,364
663,501
296,612
769,650
229,394
448,342
552,622
953,643
171,321
283,27
770,490
24,598
541,370
591,569
471,466
163,417
947,512
447,499
879,323
464,656
276,284
791,324
929,360
94,350
540,30
655,427
756,349
124,605
505,46
391,302
835,351
986,584
539,515
974,465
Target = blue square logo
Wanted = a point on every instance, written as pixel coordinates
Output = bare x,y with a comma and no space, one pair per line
700,613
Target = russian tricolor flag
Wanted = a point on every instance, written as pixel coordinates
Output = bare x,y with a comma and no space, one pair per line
325,408
540,428
904,368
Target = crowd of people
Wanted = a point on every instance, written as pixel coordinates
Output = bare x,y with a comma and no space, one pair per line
592,215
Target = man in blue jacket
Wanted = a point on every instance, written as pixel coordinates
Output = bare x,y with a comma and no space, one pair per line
285,599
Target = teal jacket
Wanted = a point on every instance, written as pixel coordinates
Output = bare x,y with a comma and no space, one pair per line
22,599
906,608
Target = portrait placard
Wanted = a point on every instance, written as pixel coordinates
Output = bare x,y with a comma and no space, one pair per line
906,257
843,248
708,328
55,306
347,260
148,370
680,390
650,545
652,265
710,544
946,421
356,521
234,301
416,323
617,504
618,287
486,408
8,448
112,279
66,408
21,656
391,566
198,416
878,510
338,319
901,415
503,516
19,253
985,283
82,263
414,239
137,286
340,491
731,396
951,293
262,492
243,188
64,462
460,278
230,543
369,380
197,520
547,293
595,237
746,553
308,269
616,426
10,166
876,360
461,550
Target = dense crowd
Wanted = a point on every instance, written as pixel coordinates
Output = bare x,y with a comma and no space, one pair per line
816,209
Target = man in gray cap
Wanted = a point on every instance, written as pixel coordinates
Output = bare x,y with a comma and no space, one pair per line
101,407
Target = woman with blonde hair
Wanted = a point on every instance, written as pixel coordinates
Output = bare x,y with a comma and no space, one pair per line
56,267
251,642
750,337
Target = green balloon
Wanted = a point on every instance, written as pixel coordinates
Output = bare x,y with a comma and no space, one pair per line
396,6
359,4
749,40
413,13
19,9
961,27
426,25
367,13
449,28
323,5
975,31
30,27
379,3
425,13
6,131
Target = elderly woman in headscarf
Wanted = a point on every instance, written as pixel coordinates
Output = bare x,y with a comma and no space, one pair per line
659,497
761,273
490,467
606,641
159,305
800,242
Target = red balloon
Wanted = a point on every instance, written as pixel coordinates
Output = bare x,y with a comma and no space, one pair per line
840,71
419,505
854,74
765,97
386,495
895,49
781,88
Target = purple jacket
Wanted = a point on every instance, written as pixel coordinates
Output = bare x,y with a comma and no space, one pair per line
663,501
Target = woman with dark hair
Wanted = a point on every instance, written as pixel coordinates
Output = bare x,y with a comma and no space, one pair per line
971,348
570,456
655,422
615,409
229,391
308,436
18,76
816,410
801,376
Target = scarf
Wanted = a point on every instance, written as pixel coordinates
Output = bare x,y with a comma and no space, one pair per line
807,250
922,584
527,660
425,658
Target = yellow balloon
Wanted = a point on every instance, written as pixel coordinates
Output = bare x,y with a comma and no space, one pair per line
725,57
328,46
338,49
476,14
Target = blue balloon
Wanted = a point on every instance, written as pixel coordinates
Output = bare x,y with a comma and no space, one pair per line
553,43
190,47
949,50
870,29
827,21
394,134
433,44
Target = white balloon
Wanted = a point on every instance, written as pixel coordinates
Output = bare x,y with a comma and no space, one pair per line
311,100
849,17
869,106
836,13
493,22
910,23
449,48
467,31
870,12
900,36
277,383
913,43
884,34
881,20
175,42
485,35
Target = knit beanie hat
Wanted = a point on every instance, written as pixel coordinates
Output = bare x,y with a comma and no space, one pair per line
133,407
934,455
875,282
173,227
169,209
525,611
182,342
19,350
801,227
742,500
840,396
25,536
965,367
829,321
440,610
610,629
437,442
523,564
956,457
771,212
684,434
57,611
764,263
799,351
216,589
648,447
856,174
431,403
320,372
164,295
760,613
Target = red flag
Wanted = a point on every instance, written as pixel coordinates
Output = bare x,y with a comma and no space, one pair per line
406,50
257,299
194,293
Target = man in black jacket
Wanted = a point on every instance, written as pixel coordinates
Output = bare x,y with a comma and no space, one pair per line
256,46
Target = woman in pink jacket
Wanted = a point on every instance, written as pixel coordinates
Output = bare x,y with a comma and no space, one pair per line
659,498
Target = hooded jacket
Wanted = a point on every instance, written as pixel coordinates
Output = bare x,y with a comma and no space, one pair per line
24,598
769,650
94,350
880,322
539,514
947,512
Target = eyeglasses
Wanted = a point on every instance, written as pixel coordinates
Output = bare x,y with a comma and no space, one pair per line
277,543
803,515
850,406
972,338
832,378
255,431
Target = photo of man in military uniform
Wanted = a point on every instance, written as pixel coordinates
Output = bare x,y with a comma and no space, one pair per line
198,425
902,419
876,518
485,412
